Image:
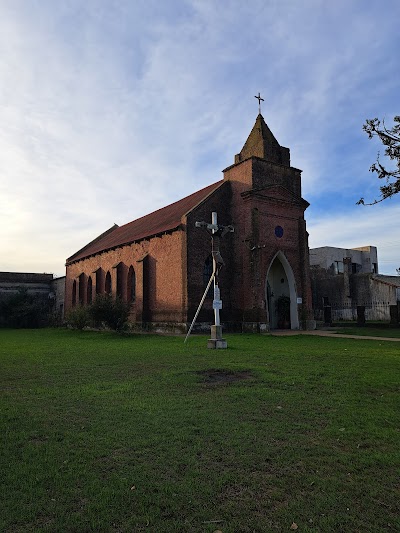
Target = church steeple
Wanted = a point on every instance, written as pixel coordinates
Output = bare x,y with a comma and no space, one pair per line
262,143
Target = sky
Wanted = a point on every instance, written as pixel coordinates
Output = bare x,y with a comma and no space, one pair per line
111,109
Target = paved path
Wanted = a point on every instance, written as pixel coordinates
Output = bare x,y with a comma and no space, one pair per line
325,333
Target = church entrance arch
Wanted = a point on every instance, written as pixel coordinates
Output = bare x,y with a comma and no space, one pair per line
281,294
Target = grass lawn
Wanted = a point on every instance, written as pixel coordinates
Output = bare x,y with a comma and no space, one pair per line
101,432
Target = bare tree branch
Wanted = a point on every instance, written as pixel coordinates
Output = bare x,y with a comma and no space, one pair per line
390,138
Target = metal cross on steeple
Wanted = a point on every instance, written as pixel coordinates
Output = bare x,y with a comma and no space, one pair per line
259,102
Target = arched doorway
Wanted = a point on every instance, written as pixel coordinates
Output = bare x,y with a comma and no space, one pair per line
281,294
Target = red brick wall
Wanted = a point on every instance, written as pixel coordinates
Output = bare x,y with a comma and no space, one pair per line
199,248
162,270
276,199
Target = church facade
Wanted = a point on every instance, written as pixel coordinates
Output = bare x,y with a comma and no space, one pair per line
161,263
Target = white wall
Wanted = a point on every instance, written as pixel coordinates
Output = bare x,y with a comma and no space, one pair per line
326,256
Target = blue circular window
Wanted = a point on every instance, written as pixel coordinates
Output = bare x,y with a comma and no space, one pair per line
279,231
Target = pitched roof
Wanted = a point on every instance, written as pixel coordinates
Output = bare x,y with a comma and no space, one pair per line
388,280
165,219
262,143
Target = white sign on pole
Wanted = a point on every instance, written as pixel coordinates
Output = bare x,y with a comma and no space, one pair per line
217,304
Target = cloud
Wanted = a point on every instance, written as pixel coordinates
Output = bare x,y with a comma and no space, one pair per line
374,226
111,110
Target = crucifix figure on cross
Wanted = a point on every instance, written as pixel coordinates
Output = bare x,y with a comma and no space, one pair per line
217,231
259,102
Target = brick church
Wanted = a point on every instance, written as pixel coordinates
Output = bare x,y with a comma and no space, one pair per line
161,263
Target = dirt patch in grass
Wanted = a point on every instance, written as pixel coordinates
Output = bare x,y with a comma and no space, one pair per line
220,376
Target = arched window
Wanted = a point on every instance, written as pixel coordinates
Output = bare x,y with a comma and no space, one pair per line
207,272
99,281
120,280
81,290
108,283
89,290
74,293
131,285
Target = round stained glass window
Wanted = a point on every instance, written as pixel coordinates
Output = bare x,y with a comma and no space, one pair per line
279,231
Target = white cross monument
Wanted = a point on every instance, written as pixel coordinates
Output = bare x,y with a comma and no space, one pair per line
217,231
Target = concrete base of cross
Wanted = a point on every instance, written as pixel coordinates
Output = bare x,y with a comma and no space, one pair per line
216,341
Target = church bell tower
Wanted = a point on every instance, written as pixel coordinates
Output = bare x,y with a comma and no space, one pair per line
271,258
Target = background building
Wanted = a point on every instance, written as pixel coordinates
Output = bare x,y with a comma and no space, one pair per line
347,279
31,299
363,259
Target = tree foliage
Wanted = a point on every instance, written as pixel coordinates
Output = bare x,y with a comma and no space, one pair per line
390,138
113,312
78,317
24,310
105,311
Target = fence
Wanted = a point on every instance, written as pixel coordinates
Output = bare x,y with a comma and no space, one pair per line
370,311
